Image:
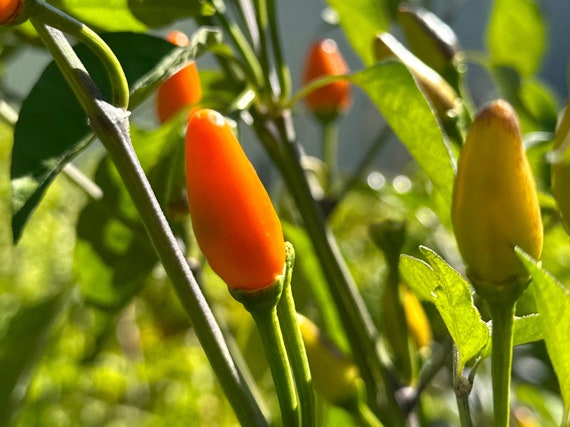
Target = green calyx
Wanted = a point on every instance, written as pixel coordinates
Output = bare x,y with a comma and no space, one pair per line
507,291
267,298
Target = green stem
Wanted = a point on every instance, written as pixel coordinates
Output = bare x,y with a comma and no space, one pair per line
268,326
283,74
330,149
503,315
365,416
250,65
462,388
263,54
295,348
112,128
55,18
279,139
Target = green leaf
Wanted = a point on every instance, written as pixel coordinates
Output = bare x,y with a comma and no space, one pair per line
553,303
527,329
159,13
52,127
361,20
105,15
131,15
113,254
441,285
26,337
394,92
516,35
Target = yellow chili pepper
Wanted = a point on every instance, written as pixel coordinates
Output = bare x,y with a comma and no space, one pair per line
495,204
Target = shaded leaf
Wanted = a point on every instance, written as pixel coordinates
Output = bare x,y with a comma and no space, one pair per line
522,45
441,285
52,127
395,93
25,338
371,16
553,303
159,13
113,254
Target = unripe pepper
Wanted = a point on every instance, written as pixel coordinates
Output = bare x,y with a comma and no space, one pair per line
430,39
235,223
440,93
561,169
325,59
495,204
8,10
416,319
180,90
334,374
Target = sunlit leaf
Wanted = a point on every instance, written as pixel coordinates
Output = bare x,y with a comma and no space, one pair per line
516,35
131,15
24,340
441,285
553,303
361,20
396,95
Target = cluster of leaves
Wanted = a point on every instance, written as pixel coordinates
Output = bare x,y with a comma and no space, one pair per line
90,331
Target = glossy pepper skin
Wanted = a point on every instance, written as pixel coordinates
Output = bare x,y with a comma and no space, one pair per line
325,59
233,218
8,10
560,171
495,204
180,90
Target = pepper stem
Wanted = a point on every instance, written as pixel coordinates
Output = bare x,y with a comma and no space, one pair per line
268,326
502,314
294,345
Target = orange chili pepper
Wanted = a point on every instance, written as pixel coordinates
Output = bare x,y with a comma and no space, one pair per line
180,90
235,223
324,59
9,9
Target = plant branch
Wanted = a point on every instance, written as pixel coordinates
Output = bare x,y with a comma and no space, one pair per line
111,125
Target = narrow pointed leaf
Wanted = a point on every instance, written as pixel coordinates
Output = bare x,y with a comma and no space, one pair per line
371,16
553,303
395,93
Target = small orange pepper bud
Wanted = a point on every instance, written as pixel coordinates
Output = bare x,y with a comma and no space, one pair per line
495,203
8,10
325,59
560,172
180,90
235,223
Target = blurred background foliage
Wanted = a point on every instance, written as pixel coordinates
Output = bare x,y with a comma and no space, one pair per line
78,350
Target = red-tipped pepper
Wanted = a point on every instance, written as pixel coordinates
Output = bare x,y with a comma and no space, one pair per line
235,223
325,59
8,10
180,90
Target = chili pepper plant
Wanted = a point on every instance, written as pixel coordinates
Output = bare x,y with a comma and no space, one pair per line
184,241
